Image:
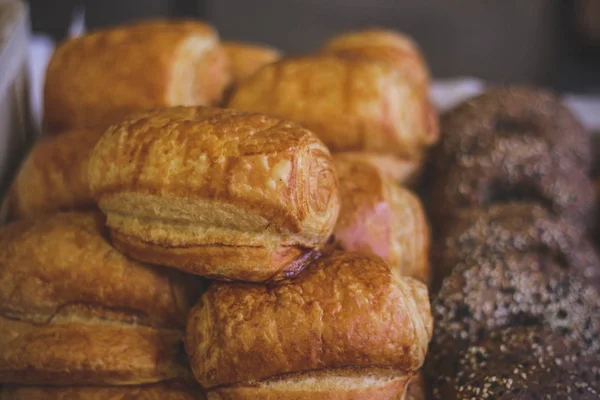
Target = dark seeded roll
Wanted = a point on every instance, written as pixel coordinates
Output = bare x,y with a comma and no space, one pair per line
524,363
508,228
489,292
513,111
509,168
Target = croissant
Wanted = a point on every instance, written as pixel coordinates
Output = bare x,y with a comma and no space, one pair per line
54,175
218,193
75,311
353,104
379,217
99,78
346,328
245,58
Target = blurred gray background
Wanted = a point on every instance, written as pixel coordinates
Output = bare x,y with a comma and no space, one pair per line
546,42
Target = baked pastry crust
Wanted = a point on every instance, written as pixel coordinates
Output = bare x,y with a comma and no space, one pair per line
75,311
379,217
246,58
215,192
383,45
161,391
345,310
339,384
403,171
99,78
352,103
54,175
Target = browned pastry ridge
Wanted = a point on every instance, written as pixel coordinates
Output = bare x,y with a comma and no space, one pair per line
54,175
346,328
160,391
218,193
246,58
353,104
379,217
383,45
75,311
99,78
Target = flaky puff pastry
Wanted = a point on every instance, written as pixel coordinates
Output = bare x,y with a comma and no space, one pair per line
348,315
353,104
75,311
379,217
218,193
54,175
99,78
402,171
383,45
160,391
246,58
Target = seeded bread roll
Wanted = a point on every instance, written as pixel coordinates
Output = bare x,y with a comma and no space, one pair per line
75,311
218,193
509,228
526,362
160,391
99,78
353,104
346,328
379,217
54,175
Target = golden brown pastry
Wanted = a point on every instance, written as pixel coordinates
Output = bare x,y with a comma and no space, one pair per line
416,388
99,78
353,104
75,311
403,171
383,45
245,58
379,217
160,391
346,328
54,175
218,193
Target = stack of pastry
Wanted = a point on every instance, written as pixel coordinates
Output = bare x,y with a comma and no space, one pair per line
365,94
97,303
517,311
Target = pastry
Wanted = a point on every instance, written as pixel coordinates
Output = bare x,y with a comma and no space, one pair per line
245,58
403,171
54,175
75,311
416,389
159,391
383,45
346,328
353,104
218,193
379,217
99,78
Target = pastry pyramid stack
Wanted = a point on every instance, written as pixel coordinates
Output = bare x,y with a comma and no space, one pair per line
143,191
